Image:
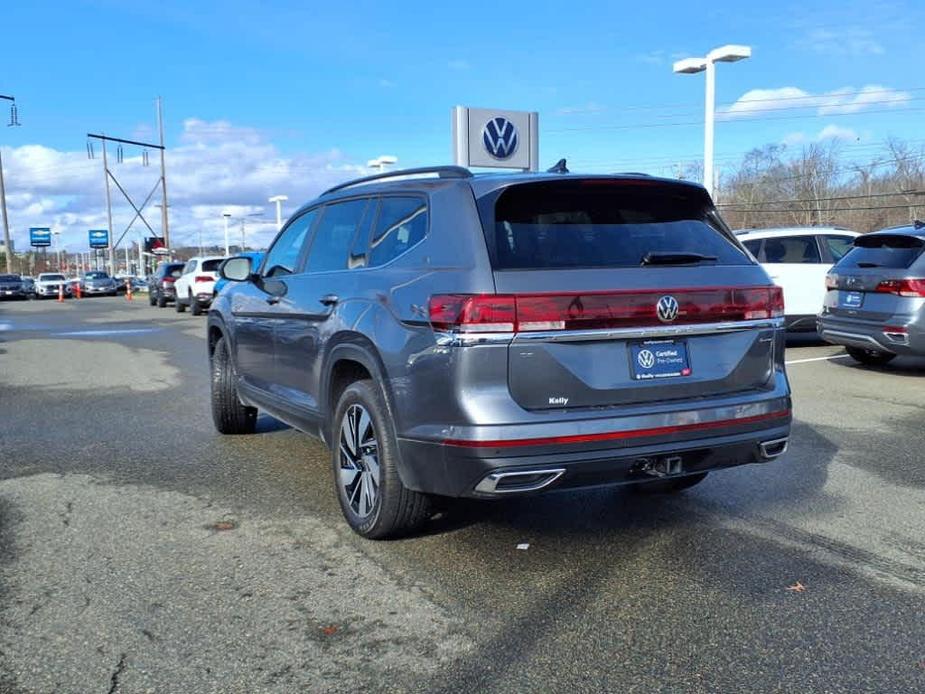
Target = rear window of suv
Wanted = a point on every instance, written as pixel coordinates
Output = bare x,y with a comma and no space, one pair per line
601,223
211,265
894,251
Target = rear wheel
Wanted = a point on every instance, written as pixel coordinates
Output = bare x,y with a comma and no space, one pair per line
870,357
670,485
161,300
194,307
372,497
152,300
228,413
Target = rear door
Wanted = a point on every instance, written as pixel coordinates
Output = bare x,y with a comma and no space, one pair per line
626,292
796,264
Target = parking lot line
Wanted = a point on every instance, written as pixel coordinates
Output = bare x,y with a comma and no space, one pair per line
804,361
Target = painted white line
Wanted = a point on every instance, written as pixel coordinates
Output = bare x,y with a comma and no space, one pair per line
6,326
806,361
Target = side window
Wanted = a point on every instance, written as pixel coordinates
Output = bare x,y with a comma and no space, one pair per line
331,243
791,249
190,267
839,245
283,256
401,224
754,247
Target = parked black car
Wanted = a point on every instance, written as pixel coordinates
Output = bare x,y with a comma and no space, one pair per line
13,287
160,285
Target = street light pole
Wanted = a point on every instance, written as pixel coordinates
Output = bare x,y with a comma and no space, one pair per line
689,66
227,216
7,244
279,199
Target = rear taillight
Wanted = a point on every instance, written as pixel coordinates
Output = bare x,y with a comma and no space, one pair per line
911,288
203,278
168,280
831,282
596,311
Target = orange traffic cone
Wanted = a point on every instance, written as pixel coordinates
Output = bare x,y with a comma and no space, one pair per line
60,292
128,290
77,289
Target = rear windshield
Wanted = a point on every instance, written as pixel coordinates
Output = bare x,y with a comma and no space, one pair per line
601,223
894,251
9,278
51,277
211,265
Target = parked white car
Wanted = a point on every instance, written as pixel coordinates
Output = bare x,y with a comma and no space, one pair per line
194,285
797,259
48,284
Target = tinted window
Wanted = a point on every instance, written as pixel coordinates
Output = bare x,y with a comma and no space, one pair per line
754,247
401,224
895,251
172,270
96,275
334,235
791,249
190,267
283,257
601,224
839,245
211,265
51,277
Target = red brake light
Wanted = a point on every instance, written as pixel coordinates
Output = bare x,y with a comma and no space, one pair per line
600,310
911,288
168,280
831,282
204,278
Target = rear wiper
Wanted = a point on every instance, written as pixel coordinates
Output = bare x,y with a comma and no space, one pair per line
668,258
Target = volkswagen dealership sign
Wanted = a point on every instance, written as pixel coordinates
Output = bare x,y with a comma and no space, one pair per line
496,138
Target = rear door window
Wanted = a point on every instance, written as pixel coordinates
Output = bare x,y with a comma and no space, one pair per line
334,235
838,246
894,251
211,265
792,249
601,223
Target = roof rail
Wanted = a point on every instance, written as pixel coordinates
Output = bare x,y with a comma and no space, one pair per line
441,171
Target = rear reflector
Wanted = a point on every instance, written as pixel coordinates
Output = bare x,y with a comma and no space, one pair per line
602,310
911,288
618,435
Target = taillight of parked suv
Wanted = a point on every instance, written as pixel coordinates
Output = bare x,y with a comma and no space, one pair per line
910,287
168,282
602,310
203,278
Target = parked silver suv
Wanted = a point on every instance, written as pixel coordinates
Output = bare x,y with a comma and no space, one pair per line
495,335
875,304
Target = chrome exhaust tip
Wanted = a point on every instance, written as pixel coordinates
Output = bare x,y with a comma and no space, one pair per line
773,448
518,481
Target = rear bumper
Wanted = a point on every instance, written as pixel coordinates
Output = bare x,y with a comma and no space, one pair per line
868,335
462,469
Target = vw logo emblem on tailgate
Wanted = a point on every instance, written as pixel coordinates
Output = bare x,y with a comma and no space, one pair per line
500,138
646,359
667,309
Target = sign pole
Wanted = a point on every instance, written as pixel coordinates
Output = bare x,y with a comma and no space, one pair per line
7,246
112,266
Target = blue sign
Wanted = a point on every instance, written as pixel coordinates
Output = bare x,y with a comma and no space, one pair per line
500,138
40,236
99,238
659,359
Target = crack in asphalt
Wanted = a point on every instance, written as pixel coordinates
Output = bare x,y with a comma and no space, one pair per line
114,680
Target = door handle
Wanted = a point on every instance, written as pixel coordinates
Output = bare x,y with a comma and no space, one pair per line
329,299
272,300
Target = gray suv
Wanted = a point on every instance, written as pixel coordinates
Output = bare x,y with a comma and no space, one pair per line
460,335
875,303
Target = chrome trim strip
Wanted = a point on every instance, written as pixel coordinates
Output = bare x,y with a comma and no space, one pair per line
853,339
454,339
489,484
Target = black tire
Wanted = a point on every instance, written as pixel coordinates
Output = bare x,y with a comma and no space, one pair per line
870,357
179,305
161,300
396,510
152,301
669,486
194,306
229,415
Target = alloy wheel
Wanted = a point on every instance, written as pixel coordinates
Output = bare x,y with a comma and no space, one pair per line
359,460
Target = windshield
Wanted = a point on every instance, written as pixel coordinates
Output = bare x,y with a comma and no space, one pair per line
604,223
50,277
96,276
9,278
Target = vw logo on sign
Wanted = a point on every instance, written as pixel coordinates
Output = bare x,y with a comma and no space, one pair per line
667,309
646,359
500,138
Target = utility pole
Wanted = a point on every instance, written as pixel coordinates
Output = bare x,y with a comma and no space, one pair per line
112,270
165,227
7,244
227,216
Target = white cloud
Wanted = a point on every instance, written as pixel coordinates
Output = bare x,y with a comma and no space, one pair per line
216,166
589,108
853,41
758,102
458,64
829,132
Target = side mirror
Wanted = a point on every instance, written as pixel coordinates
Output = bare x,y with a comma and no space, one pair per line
237,269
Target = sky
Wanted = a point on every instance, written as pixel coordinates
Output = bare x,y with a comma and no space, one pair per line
266,98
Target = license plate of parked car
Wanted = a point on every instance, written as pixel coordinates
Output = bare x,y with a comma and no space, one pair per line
659,359
852,299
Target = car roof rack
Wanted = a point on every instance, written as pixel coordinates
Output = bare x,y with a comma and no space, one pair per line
441,171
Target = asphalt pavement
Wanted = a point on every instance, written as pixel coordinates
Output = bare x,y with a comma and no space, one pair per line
142,552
